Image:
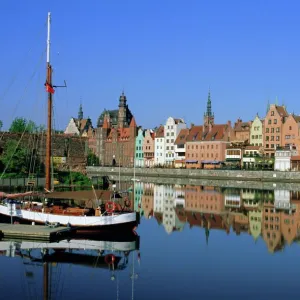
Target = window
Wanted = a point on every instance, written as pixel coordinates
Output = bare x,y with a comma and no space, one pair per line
277,129
272,130
269,121
277,138
272,113
275,121
290,128
267,130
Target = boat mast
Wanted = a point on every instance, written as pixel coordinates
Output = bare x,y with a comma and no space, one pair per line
49,119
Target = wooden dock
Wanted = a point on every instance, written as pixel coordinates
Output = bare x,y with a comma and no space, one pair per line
33,232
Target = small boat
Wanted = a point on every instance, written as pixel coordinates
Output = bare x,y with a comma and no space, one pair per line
109,216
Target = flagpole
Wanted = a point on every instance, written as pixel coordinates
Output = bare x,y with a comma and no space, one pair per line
49,119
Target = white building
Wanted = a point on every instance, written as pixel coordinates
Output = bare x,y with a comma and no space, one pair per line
171,131
164,202
159,147
283,158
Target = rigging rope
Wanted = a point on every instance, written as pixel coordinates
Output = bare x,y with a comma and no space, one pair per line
19,70
26,86
26,124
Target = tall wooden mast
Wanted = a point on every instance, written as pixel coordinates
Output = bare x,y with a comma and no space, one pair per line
49,119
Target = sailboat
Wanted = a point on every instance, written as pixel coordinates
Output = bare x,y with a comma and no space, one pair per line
111,216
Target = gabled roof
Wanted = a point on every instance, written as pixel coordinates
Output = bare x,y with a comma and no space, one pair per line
132,123
281,110
83,125
242,126
296,118
159,132
216,133
195,134
182,136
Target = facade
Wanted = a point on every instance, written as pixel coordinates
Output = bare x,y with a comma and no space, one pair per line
115,136
180,148
255,219
256,132
283,158
273,127
250,156
171,131
139,152
148,148
206,146
159,145
291,132
147,200
242,131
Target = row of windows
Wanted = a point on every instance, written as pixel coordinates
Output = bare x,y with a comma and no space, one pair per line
287,137
256,136
212,155
272,138
272,130
274,121
272,145
256,128
172,134
202,147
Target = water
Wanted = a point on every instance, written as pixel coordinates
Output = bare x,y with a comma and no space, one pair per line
193,242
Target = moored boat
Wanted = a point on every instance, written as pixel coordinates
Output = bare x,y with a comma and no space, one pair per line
109,216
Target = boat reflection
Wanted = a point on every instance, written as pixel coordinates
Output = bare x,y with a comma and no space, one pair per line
45,258
273,215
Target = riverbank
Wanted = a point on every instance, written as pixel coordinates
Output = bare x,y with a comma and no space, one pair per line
192,174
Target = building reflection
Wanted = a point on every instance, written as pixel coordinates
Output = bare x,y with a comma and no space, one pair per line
273,215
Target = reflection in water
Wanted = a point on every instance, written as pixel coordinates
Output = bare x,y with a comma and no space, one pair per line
271,214
43,264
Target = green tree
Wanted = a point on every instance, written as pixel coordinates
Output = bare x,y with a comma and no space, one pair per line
15,158
1,124
92,159
20,125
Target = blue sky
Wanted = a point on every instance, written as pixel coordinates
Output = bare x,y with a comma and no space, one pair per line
164,54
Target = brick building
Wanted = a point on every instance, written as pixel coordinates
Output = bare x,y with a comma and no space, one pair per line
115,135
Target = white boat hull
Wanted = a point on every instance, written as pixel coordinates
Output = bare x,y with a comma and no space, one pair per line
14,210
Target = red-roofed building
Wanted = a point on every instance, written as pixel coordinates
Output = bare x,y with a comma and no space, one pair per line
273,127
116,135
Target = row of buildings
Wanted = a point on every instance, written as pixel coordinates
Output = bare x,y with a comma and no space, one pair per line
258,142
273,215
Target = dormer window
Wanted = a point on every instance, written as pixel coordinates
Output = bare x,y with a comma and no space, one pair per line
272,113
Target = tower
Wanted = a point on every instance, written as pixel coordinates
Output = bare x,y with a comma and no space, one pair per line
122,111
80,112
208,115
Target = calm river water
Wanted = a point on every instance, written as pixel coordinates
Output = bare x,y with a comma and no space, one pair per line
193,242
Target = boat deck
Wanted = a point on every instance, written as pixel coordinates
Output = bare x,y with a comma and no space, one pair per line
34,232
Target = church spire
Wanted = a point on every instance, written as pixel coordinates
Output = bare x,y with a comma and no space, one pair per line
208,106
208,115
80,112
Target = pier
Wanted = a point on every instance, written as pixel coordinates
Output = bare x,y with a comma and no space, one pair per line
34,232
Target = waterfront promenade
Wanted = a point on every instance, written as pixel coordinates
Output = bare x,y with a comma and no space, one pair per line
236,178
